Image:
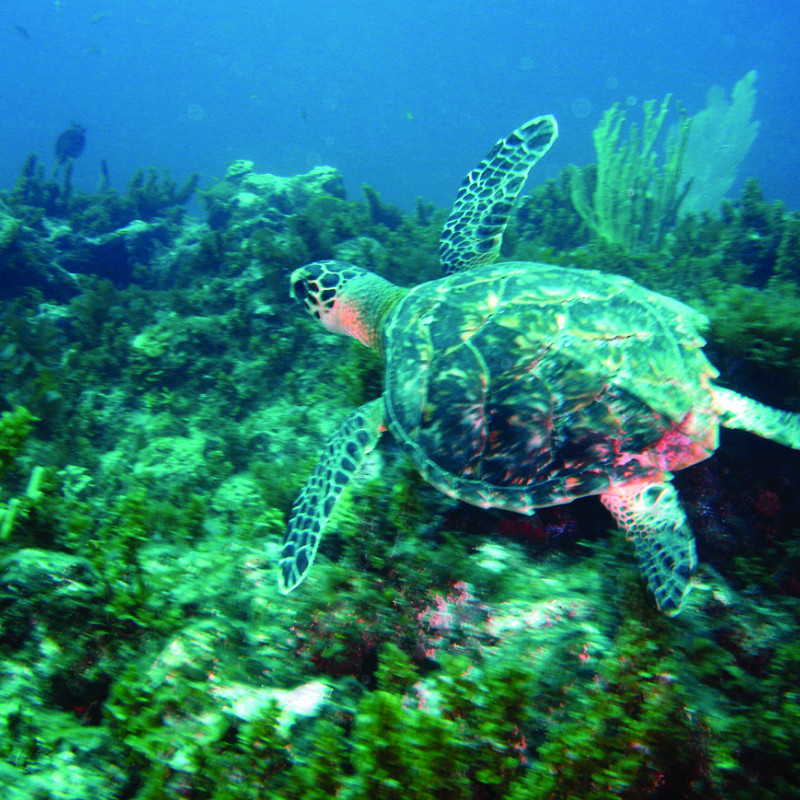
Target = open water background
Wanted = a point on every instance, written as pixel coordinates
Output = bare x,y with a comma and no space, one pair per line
406,96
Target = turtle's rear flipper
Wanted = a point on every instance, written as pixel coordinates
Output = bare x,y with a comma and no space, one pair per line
652,516
738,411
343,454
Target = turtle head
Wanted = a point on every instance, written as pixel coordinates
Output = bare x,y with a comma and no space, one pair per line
345,298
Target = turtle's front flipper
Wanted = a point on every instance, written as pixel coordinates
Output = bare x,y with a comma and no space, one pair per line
738,411
652,516
474,230
343,454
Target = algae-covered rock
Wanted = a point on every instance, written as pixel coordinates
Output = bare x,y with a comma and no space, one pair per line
165,353
238,169
237,495
251,702
114,255
27,260
296,191
58,589
174,459
63,775
49,577
9,228
362,250
248,201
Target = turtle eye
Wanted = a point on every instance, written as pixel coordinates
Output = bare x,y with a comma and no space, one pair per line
299,290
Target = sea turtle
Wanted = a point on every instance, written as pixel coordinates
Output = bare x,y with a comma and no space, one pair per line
519,385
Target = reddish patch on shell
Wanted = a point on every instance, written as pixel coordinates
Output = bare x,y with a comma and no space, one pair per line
682,446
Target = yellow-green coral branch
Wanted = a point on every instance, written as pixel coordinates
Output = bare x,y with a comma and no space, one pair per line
634,201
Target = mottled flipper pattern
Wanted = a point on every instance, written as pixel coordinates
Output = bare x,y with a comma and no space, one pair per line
738,411
651,515
474,230
343,454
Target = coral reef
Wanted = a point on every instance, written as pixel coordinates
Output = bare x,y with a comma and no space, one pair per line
50,235
157,417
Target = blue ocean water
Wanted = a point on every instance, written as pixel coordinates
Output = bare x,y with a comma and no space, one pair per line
406,96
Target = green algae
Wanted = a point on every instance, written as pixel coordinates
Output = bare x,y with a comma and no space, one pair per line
178,418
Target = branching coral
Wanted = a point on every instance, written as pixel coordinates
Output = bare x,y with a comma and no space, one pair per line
634,201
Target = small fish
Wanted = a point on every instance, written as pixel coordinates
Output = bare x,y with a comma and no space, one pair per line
23,32
70,143
98,18
409,116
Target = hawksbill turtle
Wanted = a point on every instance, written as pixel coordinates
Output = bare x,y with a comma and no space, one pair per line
518,385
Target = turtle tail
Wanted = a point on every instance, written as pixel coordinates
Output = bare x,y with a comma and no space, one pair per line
738,411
